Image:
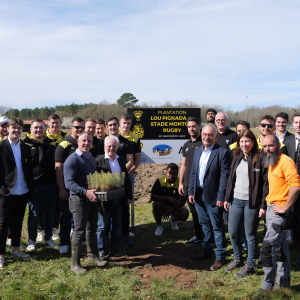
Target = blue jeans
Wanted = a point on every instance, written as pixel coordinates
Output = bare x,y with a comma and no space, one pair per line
240,212
65,223
43,199
211,220
115,214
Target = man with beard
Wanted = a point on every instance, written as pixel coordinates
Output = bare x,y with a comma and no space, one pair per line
284,187
267,126
3,128
210,115
188,149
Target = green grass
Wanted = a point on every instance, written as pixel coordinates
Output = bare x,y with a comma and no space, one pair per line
48,276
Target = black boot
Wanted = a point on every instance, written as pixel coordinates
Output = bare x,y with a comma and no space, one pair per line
76,253
92,252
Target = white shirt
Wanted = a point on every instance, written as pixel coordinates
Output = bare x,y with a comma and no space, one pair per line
281,138
202,165
21,185
114,164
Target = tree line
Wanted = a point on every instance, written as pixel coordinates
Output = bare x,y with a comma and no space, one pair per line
104,109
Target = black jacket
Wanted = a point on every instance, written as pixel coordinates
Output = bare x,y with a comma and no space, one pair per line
102,164
8,168
258,181
290,143
42,157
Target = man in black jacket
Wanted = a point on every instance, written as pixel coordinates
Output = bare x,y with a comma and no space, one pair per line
111,162
293,147
226,136
16,186
44,180
281,121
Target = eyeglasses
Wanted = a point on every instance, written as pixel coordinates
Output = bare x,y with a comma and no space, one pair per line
221,121
263,125
79,127
207,135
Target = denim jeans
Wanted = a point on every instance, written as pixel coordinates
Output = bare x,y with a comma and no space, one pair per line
115,215
240,212
43,199
211,220
65,223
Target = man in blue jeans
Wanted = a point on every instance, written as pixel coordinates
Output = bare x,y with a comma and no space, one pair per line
111,162
44,179
207,186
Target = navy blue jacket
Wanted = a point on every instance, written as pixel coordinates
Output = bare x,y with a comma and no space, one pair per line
216,175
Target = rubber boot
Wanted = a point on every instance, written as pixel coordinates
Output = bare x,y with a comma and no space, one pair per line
92,252
76,253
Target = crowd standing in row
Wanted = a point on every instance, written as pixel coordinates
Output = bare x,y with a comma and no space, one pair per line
221,169
249,177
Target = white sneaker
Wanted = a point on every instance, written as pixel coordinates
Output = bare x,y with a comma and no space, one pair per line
174,225
51,244
31,245
8,242
19,254
40,236
64,249
55,235
159,230
131,234
1,262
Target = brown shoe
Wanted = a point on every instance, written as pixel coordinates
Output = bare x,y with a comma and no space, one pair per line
217,264
201,255
294,245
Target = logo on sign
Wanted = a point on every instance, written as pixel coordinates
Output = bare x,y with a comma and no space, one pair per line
138,114
138,130
162,150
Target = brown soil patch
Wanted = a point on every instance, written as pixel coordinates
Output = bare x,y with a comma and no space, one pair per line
171,261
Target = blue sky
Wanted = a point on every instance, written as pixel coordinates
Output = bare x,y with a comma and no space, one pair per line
208,52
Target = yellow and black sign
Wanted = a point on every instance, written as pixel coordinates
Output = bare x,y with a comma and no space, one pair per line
162,123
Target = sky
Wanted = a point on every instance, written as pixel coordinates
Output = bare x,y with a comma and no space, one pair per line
208,52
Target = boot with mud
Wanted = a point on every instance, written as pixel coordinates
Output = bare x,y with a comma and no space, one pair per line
92,252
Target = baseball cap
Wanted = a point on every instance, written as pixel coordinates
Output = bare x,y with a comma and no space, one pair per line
3,120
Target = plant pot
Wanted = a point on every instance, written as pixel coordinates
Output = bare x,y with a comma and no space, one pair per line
111,195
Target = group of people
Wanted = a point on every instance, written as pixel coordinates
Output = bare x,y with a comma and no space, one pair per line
222,171
227,172
48,170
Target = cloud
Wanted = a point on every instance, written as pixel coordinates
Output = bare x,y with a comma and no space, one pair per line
217,52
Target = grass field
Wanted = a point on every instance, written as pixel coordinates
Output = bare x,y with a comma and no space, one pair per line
48,276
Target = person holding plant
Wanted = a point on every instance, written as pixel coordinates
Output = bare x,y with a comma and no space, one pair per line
245,194
83,202
112,210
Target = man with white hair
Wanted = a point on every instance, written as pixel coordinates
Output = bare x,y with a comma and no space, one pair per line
207,187
226,136
111,162
83,202
3,128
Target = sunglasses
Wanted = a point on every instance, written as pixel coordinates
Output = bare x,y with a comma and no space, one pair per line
263,125
79,127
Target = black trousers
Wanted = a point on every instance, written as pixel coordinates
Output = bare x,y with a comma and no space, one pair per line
85,215
12,210
125,219
197,226
57,214
295,225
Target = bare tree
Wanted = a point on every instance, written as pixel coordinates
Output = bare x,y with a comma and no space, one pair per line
4,109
